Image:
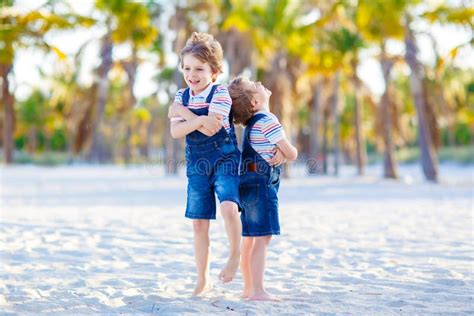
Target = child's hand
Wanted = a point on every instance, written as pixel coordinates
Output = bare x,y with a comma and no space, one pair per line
206,132
211,123
174,109
278,158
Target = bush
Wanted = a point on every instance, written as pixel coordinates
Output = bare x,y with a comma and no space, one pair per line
43,159
459,154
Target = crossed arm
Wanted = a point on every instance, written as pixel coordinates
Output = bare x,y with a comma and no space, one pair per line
208,125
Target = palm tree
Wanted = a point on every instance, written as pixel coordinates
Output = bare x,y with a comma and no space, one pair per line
427,133
335,119
315,123
429,160
142,36
100,91
347,44
181,23
124,21
378,22
19,30
390,165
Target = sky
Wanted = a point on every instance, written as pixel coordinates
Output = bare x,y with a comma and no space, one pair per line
28,61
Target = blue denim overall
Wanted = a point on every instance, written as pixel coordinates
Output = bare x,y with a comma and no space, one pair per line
212,167
259,184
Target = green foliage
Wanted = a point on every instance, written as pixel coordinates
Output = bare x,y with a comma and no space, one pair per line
345,41
166,74
379,20
131,21
462,134
59,140
20,142
446,14
32,112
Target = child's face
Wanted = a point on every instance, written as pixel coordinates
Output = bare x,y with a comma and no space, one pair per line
261,96
198,75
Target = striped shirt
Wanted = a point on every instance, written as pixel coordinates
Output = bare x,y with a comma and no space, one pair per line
264,135
220,104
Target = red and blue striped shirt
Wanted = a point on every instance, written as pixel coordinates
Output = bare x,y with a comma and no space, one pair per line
265,134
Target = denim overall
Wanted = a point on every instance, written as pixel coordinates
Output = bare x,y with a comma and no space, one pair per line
259,184
212,167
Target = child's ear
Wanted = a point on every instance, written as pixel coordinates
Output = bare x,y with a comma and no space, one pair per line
254,103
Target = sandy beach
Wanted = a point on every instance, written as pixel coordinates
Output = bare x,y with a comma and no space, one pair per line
112,240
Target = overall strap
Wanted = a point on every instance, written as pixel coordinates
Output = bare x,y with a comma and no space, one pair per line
209,100
185,97
211,94
251,123
252,160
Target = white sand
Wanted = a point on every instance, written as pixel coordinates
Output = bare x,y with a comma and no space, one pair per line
113,240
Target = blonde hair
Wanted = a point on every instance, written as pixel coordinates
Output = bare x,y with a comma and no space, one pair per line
207,49
242,106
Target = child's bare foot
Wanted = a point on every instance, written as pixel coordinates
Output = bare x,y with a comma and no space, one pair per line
264,296
228,273
245,294
202,287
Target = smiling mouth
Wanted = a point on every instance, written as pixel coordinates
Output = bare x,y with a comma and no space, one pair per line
193,81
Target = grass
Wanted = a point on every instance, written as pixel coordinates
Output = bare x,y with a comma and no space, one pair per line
41,159
458,154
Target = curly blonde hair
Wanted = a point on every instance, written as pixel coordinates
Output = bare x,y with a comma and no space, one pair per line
207,49
242,106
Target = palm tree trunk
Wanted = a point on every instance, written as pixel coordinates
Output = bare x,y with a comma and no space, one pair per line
325,141
143,145
47,142
361,152
131,70
315,122
429,160
390,166
9,119
84,131
97,150
277,79
127,150
149,136
173,147
335,117
440,95
32,140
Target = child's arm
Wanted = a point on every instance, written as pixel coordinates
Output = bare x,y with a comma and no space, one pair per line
274,133
283,149
208,128
182,128
287,149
